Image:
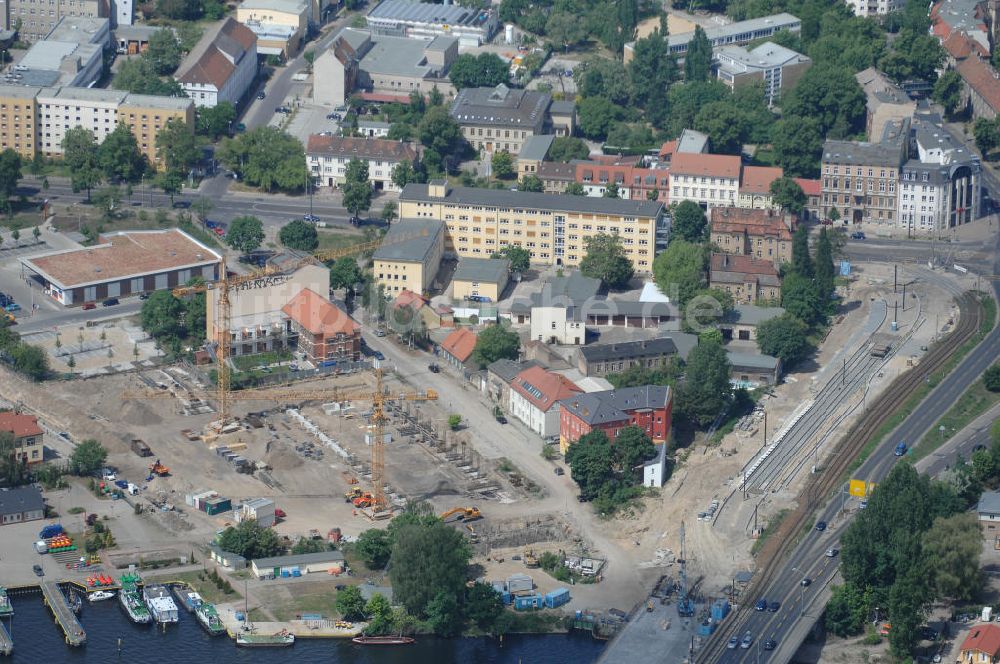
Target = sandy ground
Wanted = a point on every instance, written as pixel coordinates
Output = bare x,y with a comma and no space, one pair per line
114,345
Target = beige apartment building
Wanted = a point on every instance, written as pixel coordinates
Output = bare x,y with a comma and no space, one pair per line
38,18
18,113
860,179
552,227
765,234
146,115
410,255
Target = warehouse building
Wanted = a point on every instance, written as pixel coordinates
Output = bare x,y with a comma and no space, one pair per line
420,20
331,562
121,264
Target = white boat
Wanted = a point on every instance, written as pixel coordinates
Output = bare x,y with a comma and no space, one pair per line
161,604
100,596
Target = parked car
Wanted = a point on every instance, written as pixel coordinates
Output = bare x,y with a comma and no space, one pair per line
559,471
502,419
38,570
733,642
379,356
806,582
182,204
87,306
820,526
770,644
310,217
261,95
434,368
857,235
832,553
900,449
747,640
379,332
12,306
110,302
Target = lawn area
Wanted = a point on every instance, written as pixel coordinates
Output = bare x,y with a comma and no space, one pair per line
307,598
205,587
245,362
976,401
338,239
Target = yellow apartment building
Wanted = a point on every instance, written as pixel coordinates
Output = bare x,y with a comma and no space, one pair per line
18,113
409,256
552,227
146,115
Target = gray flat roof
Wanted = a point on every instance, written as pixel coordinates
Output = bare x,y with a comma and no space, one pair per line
48,55
408,10
301,559
749,314
752,360
157,101
629,349
78,29
137,32
989,503
398,56
536,147
724,33
21,499
414,249
501,105
527,200
489,270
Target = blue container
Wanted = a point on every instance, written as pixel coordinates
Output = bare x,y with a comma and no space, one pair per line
706,628
312,616
285,574
296,573
528,602
505,596
240,616
51,530
556,598
720,609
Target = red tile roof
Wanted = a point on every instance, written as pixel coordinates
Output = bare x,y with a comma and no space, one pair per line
216,56
668,149
983,638
717,165
752,221
809,187
742,264
20,425
318,316
758,179
981,78
543,389
460,344
408,298
363,148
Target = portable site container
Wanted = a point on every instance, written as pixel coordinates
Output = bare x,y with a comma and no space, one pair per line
529,602
556,598
218,505
720,609
519,584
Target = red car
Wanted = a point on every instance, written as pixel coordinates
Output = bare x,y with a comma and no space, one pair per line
280,513
89,305
219,231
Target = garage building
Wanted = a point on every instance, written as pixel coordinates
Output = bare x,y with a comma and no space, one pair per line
121,264
306,563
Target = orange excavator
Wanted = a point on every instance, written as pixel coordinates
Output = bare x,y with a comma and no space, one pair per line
464,513
365,500
159,469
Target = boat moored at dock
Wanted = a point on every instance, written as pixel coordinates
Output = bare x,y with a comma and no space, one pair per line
209,619
161,604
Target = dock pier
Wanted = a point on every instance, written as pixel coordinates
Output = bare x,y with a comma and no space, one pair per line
56,601
6,643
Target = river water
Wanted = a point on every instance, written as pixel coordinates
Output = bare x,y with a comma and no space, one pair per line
38,640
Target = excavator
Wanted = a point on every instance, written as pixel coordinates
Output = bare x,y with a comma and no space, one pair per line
464,513
355,492
364,500
158,468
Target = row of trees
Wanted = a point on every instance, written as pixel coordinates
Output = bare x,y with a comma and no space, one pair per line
609,473
26,359
569,23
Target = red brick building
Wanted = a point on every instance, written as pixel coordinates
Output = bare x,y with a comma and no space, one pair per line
325,331
649,407
27,434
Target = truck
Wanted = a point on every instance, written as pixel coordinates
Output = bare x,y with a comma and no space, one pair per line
141,448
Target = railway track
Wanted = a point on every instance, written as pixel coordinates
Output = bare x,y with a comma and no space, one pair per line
784,540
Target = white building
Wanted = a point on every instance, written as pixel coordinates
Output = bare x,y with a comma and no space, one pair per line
776,67
711,180
123,12
419,20
654,472
71,54
60,109
259,509
534,399
328,156
875,7
557,324
373,128
221,67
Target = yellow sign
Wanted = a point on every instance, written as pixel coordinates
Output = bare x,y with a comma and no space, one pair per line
858,488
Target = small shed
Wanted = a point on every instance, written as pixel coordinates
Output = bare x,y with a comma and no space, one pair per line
259,509
227,559
518,584
307,563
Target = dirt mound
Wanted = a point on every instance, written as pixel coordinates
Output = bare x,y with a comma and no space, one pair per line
137,413
280,457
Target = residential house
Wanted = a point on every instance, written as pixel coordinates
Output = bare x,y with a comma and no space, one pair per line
501,119
326,333
604,359
988,510
649,407
500,376
752,370
556,176
981,646
29,438
221,67
534,399
409,256
20,504
813,189
430,318
711,180
480,278
777,68
748,279
741,322
457,347
886,102
637,179
755,186
328,157
532,154
761,233
975,20
374,128
553,228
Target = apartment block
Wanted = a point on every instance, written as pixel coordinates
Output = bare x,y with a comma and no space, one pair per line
739,33
860,178
61,109
18,119
875,7
746,278
885,101
764,234
776,67
553,228
711,180
637,179
146,115
502,119
37,20
328,157
409,257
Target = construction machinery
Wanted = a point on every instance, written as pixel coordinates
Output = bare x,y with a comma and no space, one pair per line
157,468
685,605
464,513
530,561
364,500
352,494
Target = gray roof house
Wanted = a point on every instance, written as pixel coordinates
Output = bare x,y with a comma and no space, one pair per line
21,504
602,359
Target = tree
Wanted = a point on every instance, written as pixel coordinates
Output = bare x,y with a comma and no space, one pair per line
483,604
374,546
350,604
266,157
10,173
30,361
987,135
357,194
502,164
496,342
606,259
651,72
250,540
689,222
848,610
215,121
798,145
345,273
308,545
427,560
245,233
802,264
948,91
612,191
784,337
590,461
531,183
832,96
633,447
379,613
685,100
706,391
80,156
952,546
403,174
991,378
454,421
596,115
788,195
565,29
161,315
800,297
440,135
725,125
698,59
299,234
519,257
163,52
389,212
487,70
444,615
170,181
176,146
13,468
824,269
575,189
88,458
680,270
108,199
139,77
16,236
119,156
567,148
